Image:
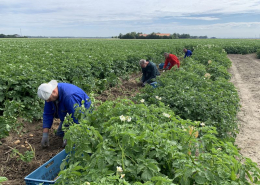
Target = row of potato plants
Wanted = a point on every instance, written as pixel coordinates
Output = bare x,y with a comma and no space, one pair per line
178,133
200,90
93,65
132,143
258,53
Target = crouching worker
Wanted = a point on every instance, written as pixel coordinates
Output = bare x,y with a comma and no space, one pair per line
149,71
187,52
172,59
60,99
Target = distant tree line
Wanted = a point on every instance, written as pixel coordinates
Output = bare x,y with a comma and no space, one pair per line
140,35
11,36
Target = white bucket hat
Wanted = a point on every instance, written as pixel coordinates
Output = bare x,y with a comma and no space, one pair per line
45,89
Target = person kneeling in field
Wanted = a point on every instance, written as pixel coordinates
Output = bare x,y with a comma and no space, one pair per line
149,71
60,99
187,52
172,59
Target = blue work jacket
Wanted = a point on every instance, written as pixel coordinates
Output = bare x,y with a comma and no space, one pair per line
188,53
69,95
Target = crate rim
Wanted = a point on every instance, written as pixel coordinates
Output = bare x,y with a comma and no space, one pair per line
42,181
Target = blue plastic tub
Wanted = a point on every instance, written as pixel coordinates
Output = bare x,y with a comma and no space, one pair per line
47,173
161,65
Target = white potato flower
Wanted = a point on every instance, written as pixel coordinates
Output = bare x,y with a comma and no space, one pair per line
142,100
122,118
119,169
158,98
128,118
166,115
122,176
202,124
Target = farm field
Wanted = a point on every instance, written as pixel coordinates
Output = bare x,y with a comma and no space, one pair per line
95,66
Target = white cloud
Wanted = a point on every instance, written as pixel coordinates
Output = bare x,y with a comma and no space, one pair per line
103,10
201,18
45,17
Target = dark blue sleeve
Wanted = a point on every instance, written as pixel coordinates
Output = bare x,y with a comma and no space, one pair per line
87,103
153,73
48,114
76,99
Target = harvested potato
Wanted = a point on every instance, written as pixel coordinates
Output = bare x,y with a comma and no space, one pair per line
17,142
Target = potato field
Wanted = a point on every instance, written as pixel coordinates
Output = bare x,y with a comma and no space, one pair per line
181,132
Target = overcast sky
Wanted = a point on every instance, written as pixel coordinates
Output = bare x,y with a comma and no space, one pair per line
106,18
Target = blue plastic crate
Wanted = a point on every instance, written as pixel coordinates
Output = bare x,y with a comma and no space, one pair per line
46,173
161,65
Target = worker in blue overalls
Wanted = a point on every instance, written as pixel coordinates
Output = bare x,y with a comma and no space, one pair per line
60,99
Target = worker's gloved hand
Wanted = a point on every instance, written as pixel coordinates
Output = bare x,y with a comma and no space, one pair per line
45,140
64,143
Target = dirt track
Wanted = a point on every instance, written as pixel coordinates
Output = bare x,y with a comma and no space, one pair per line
245,72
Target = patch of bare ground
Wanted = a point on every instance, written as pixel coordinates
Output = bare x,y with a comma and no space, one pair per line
13,168
125,89
245,72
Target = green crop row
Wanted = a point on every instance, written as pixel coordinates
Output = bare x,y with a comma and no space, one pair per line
122,142
258,53
200,90
178,133
93,65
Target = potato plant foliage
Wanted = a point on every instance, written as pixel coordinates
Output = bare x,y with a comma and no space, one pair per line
193,95
181,132
93,65
152,145
258,53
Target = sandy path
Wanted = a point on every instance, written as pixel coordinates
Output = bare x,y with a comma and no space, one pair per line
245,72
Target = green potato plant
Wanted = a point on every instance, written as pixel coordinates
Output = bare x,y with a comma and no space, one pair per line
149,144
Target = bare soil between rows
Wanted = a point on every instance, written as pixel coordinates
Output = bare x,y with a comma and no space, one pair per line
245,72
